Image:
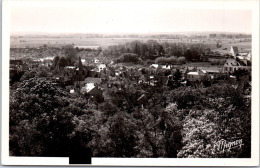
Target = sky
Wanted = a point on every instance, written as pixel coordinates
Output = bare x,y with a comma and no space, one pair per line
130,17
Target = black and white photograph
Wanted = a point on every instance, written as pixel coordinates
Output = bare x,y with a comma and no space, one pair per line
146,80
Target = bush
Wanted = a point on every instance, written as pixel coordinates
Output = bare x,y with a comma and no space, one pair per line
128,58
161,60
62,62
164,60
172,60
181,60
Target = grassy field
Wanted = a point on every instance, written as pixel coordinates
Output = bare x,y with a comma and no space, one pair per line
58,42
105,42
102,42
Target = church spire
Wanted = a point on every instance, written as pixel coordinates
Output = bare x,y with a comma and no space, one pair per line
80,65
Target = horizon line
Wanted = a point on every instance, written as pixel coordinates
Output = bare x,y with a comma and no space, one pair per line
127,33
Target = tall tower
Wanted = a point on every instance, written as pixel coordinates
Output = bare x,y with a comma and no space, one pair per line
80,65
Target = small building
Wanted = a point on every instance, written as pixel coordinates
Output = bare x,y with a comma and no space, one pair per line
196,75
154,66
212,73
101,67
93,73
72,91
166,67
93,92
88,87
193,76
96,81
246,54
84,62
96,61
232,65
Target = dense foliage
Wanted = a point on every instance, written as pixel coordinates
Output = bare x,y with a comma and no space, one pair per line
153,49
45,120
128,57
42,119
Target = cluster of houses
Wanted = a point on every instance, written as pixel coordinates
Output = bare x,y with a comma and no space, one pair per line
241,60
103,79
98,80
18,66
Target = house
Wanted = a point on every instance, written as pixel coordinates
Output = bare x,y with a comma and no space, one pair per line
249,56
212,73
93,92
166,67
101,67
232,65
96,61
154,66
246,54
197,75
233,51
96,81
88,87
193,76
84,62
187,70
93,73
48,60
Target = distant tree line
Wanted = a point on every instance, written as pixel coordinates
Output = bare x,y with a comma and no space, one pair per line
152,50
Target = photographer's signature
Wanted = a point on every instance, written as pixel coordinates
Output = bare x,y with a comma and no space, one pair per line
223,145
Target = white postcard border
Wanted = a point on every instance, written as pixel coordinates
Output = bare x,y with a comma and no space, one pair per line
254,161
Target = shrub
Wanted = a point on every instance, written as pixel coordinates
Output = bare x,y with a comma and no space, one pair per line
128,57
181,60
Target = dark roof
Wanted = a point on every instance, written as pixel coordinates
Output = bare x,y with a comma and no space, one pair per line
93,80
242,62
95,91
16,62
232,62
235,49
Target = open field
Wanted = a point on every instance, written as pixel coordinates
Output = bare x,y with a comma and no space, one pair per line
58,42
105,42
240,45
